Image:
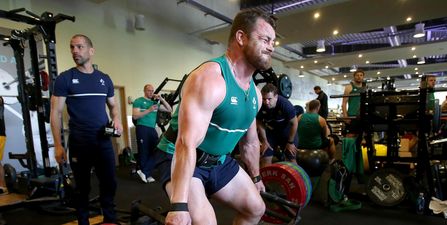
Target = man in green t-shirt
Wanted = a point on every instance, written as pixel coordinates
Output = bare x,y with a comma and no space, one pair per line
430,81
145,113
351,105
313,132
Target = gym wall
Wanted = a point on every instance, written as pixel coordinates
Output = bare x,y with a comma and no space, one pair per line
136,57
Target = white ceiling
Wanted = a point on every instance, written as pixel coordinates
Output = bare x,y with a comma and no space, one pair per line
297,28
353,17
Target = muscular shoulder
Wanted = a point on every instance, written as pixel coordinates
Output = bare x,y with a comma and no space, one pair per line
207,83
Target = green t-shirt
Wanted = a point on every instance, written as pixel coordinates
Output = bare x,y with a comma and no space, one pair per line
150,119
309,131
354,101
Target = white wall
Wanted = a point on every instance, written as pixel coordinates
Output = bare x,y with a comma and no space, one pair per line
134,58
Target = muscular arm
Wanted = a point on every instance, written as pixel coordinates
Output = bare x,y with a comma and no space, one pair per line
203,91
165,107
324,128
113,108
57,106
250,150
294,127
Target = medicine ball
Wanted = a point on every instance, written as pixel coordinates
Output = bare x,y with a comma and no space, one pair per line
314,162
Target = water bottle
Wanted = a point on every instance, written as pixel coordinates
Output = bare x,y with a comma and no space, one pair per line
420,204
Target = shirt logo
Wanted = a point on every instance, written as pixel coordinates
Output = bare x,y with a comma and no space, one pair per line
233,100
75,81
102,82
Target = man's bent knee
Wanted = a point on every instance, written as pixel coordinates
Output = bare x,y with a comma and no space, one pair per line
256,208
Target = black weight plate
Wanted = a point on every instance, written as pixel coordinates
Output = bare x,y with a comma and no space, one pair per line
385,187
10,176
284,86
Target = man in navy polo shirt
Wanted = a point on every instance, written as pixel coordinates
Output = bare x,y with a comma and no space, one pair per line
277,125
86,91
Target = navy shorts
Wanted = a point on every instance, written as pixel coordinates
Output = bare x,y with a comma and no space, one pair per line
213,179
217,177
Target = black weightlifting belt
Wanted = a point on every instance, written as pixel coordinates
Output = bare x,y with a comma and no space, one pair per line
204,160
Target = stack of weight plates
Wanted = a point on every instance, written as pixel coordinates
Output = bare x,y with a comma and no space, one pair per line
288,181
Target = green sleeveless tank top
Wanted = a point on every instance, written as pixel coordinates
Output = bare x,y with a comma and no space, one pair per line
354,101
309,131
230,120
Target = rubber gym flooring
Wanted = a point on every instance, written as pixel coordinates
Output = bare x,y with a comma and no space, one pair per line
130,188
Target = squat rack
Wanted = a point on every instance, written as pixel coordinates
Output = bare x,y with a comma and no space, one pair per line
44,25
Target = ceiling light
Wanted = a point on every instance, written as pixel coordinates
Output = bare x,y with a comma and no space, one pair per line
335,32
416,68
333,78
277,43
417,72
345,76
301,74
353,68
360,55
421,60
327,67
420,75
316,15
413,48
409,19
315,61
415,56
302,67
367,62
419,30
320,46
378,72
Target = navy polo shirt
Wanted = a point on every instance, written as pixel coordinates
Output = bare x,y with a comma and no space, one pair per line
277,118
86,96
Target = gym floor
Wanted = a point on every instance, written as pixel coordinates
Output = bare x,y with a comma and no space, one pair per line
130,188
